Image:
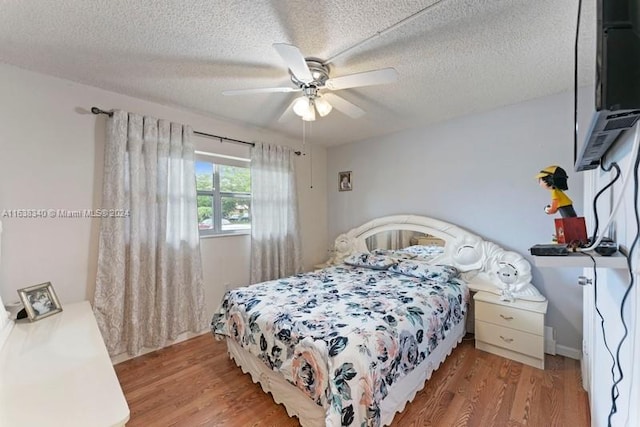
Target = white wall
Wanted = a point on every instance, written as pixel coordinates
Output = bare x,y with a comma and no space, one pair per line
6,323
612,284
51,157
476,172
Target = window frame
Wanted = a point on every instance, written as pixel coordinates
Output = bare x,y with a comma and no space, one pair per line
217,160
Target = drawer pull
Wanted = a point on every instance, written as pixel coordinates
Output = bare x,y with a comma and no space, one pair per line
507,340
506,317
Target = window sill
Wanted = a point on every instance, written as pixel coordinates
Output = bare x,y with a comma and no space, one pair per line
209,236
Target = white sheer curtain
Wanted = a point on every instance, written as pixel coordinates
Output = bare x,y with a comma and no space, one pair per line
149,283
275,236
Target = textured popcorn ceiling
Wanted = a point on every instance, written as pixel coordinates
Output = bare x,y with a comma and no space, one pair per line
459,57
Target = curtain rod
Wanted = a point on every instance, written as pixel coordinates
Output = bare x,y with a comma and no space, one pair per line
96,110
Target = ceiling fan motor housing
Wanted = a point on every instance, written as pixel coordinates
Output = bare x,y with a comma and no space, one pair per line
320,74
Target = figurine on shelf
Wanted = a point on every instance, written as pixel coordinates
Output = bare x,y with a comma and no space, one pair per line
570,229
554,179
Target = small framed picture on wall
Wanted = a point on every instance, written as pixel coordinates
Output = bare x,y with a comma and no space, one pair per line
344,181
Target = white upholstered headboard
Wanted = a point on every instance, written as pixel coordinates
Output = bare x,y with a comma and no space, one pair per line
484,265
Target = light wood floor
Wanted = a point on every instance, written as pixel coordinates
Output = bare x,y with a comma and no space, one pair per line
194,383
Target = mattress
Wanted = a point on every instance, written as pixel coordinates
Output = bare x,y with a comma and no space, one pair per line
346,337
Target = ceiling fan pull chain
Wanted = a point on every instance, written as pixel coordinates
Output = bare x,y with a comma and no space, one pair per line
311,159
304,144
304,135
311,165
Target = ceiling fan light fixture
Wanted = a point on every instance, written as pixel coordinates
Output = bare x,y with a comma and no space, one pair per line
303,107
323,106
310,115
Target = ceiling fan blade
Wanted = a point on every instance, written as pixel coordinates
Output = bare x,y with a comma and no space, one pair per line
261,90
367,78
344,106
288,112
295,61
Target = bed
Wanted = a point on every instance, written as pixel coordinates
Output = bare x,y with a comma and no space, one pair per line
352,342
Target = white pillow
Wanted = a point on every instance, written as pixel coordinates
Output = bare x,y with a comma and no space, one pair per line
423,270
368,260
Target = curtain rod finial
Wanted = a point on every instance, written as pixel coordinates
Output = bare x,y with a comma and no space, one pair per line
96,110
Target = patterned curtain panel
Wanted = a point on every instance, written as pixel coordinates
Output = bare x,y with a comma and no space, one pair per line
149,285
275,236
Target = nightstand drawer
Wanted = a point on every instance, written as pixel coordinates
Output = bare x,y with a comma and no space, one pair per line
510,317
511,339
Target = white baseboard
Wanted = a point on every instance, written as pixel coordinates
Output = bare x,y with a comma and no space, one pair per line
551,347
182,337
571,353
549,340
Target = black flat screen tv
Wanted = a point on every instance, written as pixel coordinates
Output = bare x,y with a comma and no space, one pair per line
617,90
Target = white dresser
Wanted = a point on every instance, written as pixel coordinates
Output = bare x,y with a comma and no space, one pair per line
57,372
514,330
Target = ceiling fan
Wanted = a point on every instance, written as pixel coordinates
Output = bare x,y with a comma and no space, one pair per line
311,77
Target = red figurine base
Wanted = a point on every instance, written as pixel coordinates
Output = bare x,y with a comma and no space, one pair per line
571,230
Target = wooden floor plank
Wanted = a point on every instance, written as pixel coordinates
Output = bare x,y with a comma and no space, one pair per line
194,383
491,397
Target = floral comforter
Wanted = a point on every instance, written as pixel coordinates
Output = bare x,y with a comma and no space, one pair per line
343,335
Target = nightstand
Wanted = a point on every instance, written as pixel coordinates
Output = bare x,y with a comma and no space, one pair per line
514,330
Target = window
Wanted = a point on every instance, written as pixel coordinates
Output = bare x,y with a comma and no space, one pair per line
223,185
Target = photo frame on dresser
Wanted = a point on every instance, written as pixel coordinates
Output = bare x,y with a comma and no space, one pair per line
40,301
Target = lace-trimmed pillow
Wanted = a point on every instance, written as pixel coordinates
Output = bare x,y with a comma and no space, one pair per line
422,270
364,259
423,252
416,252
397,254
